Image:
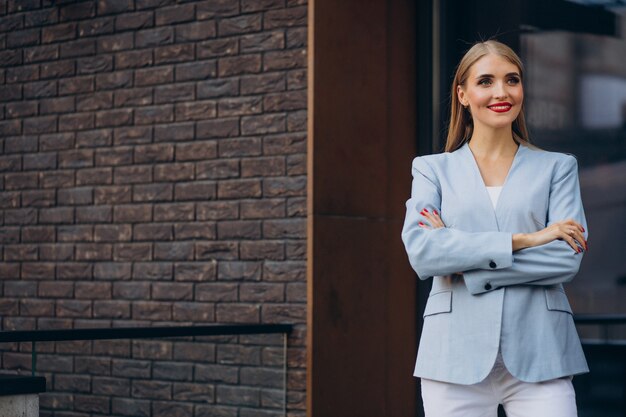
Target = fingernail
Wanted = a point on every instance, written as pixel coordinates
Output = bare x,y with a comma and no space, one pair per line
426,210
583,228
436,212
421,224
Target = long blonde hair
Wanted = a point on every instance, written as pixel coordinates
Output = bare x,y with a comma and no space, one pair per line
461,124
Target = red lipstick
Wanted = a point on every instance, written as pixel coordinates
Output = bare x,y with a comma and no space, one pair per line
501,107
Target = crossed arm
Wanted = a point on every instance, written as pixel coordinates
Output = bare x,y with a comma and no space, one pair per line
487,259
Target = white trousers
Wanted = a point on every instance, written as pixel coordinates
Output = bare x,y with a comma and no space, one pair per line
553,398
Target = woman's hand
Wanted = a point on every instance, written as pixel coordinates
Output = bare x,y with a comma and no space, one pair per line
568,230
433,219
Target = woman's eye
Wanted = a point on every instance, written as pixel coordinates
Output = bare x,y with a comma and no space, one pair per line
515,80
481,82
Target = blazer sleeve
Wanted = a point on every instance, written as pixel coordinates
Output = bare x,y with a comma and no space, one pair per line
444,251
552,263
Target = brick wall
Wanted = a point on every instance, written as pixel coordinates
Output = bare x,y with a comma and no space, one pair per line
153,171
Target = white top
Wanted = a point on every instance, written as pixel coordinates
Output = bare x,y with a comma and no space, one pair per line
494,193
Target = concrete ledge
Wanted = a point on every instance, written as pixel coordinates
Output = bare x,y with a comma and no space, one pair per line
25,405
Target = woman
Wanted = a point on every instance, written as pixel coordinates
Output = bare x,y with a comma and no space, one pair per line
499,225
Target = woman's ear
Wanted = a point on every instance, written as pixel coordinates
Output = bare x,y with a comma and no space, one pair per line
461,95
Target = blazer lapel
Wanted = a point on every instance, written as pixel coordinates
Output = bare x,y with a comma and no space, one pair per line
483,201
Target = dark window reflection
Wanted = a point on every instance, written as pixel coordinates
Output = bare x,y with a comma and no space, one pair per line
576,102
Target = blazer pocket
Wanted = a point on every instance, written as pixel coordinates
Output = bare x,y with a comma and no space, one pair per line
557,300
440,302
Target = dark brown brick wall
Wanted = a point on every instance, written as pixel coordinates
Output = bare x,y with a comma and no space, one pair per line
153,171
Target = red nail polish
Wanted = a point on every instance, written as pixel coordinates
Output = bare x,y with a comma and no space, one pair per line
426,210
583,228
421,224
436,212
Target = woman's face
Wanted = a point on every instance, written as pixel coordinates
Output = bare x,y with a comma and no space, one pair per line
492,80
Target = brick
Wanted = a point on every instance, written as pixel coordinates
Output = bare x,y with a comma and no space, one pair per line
131,368
75,233
193,312
37,234
116,387
131,407
239,229
216,292
152,192
131,290
115,156
269,250
284,271
72,383
220,128
111,309
217,88
20,289
133,59
120,348
195,271
94,176
94,65
55,289
174,212
296,207
239,65
93,290
21,109
174,14
229,107
263,209
263,124
287,59
74,271
297,80
154,76
113,80
112,233
112,118
57,179
196,110
285,101
132,174
56,215
94,214
195,230
267,40
284,186
174,93
263,83
217,210
218,169
132,213
154,114
93,252
96,101
201,150
96,26
217,48
114,43
92,403
198,190
132,252
60,32
183,391
38,198
57,70
153,153
112,270
239,147
20,216
216,373
239,189
56,252
55,142
196,31
133,97
262,292
75,196
12,235
154,37
240,24
152,349
174,251
152,310
112,195
216,250
73,308
38,125
173,54
178,171
77,11
136,20
93,138
114,6
152,232
237,354
78,121
152,271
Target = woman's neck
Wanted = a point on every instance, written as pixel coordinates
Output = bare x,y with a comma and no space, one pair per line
492,143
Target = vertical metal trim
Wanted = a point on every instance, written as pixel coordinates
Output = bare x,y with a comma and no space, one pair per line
436,74
285,374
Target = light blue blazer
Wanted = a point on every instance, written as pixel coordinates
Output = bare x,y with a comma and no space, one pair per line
514,300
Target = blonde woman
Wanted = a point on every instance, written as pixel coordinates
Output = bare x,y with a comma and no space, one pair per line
499,225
